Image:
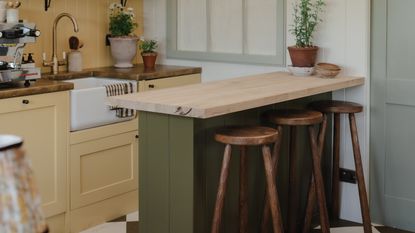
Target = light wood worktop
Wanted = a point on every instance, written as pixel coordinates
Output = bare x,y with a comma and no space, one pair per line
232,95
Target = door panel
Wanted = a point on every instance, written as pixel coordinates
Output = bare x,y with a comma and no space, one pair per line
43,124
400,39
400,147
392,113
400,92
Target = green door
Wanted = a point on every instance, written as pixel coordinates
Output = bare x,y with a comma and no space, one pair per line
392,178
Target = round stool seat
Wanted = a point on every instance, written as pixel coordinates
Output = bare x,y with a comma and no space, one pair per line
247,135
335,106
294,117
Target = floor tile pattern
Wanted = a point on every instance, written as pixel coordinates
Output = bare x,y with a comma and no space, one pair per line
342,226
129,224
124,224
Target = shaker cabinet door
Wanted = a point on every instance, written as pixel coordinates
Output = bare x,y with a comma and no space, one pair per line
42,121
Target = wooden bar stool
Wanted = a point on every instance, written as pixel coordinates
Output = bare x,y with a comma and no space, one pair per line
295,118
243,137
338,108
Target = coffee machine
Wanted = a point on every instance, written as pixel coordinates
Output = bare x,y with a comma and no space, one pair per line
13,39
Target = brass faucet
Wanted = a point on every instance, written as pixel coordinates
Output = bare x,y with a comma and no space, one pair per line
55,63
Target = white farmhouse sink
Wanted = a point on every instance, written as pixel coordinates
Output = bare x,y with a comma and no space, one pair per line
89,103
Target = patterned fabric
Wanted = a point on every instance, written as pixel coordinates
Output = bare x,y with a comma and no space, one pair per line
117,89
20,204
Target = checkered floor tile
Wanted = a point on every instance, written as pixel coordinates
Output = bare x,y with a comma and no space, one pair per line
124,224
129,224
351,227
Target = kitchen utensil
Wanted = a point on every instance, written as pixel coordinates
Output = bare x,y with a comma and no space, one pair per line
17,4
73,43
14,5
327,70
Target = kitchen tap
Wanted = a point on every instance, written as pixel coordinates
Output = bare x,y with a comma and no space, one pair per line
55,63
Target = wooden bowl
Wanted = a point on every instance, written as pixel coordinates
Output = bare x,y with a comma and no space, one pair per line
327,70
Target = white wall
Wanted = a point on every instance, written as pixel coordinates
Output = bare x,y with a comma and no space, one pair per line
344,40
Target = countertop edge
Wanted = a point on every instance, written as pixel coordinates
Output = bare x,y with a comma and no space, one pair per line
202,113
53,86
137,73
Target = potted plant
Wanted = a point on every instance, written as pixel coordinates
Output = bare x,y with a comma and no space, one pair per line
123,41
148,52
306,18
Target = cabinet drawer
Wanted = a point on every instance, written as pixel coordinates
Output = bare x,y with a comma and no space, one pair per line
31,102
169,82
103,168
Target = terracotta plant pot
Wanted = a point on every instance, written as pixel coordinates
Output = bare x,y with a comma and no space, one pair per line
149,59
303,57
123,50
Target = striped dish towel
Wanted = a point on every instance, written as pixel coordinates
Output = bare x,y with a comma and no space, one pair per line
117,89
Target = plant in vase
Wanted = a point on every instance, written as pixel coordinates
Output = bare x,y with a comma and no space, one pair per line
123,41
148,52
306,18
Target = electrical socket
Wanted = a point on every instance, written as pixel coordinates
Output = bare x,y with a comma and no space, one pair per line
348,176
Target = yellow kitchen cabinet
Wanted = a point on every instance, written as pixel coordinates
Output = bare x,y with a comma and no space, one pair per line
105,166
154,84
43,122
103,172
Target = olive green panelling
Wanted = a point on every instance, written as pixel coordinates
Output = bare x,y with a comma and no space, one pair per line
180,165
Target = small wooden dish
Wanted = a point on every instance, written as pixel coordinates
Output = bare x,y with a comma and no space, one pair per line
327,70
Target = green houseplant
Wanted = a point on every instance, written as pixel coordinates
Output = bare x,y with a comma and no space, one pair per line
306,18
148,52
123,42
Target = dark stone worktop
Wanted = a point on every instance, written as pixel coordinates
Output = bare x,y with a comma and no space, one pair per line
138,72
51,83
39,87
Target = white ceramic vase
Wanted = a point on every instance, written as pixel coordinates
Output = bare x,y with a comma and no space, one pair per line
123,50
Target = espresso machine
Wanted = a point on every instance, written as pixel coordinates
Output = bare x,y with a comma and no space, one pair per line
13,39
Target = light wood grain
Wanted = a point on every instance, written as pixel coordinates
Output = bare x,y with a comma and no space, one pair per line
227,96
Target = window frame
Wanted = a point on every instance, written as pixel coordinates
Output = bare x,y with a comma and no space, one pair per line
278,59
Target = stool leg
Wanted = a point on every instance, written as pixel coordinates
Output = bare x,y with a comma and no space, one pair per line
311,201
272,191
364,205
324,219
293,183
336,169
312,188
220,197
243,192
275,159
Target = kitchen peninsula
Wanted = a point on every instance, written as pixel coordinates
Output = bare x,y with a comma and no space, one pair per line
179,162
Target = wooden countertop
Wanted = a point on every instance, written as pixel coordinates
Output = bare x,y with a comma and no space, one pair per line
41,86
138,72
232,95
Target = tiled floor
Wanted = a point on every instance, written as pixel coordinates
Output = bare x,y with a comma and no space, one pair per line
124,224
351,227
129,224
